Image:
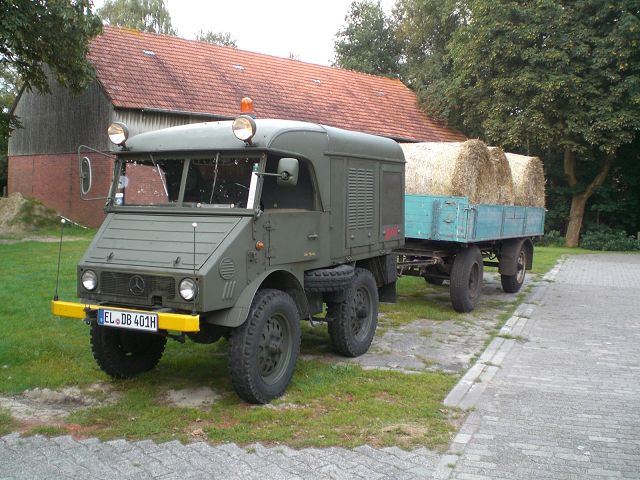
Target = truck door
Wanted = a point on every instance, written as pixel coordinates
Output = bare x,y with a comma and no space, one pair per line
293,219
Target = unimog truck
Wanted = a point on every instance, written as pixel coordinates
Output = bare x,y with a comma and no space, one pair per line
241,229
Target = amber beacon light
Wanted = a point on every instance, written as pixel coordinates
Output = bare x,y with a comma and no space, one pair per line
246,106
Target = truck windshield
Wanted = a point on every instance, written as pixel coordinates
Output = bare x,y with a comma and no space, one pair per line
224,182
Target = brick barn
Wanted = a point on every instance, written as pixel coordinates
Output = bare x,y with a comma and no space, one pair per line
151,81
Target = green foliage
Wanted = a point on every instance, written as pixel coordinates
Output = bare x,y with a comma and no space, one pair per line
552,238
220,38
574,86
605,238
144,15
368,42
425,28
38,37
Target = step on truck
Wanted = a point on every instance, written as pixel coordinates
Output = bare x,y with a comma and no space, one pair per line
240,229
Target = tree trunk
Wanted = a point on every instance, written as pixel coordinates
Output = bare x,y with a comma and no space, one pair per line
576,215
579,200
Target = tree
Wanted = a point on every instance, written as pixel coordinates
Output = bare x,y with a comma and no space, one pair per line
221,38
368,42
9,87
38,38
144,15
425,28
559,75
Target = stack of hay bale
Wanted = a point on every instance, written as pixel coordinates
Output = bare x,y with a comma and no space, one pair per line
471,169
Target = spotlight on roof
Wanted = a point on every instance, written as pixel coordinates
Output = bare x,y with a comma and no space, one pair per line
118,133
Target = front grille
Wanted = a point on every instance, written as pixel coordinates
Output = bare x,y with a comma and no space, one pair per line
124,284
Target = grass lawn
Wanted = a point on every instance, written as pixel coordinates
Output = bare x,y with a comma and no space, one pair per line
326,404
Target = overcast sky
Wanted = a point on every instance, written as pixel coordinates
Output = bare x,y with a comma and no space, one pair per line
305,29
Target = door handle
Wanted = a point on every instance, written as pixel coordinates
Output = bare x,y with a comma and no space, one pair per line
312,236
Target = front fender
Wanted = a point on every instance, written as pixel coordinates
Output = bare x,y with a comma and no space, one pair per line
278,279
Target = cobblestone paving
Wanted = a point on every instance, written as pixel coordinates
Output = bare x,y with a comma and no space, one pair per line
445,345
566,402
563,403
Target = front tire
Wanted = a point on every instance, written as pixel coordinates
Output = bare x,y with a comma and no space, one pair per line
512,283
353,322
125,353
466,279
264,349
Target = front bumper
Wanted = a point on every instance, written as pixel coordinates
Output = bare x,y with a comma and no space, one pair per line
177,322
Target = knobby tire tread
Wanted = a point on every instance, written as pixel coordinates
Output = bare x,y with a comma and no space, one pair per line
114,362
340,327
242,359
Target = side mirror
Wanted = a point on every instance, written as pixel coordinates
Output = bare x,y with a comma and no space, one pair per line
85,175
288,172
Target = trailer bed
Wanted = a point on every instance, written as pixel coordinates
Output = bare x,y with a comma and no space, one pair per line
455,219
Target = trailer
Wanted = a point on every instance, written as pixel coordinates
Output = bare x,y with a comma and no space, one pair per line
449,238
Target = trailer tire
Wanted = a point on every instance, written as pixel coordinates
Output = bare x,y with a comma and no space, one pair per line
264,349
466,279
125,353
328,279
353,322
512,283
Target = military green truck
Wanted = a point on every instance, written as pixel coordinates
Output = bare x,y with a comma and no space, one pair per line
241,229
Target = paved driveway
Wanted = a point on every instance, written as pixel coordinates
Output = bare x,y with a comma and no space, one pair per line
566,402
559,397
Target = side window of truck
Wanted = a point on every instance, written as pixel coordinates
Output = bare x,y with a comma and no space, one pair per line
300,197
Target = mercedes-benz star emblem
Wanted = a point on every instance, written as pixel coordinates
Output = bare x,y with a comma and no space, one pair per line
136,285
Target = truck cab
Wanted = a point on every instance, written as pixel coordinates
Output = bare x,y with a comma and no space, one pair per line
241,229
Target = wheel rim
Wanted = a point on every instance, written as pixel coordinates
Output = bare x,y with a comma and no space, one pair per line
474,280
362,319
521,267
274,349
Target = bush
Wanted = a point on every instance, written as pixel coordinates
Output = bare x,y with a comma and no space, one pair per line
552,238
605,238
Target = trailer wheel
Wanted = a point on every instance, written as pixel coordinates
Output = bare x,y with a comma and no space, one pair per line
466,279
353,322
264,349
512,283
125,353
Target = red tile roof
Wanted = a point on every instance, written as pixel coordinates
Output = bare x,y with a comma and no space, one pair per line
144,70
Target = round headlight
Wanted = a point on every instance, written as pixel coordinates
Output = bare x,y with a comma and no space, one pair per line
244,128
188,289
89,280
118,133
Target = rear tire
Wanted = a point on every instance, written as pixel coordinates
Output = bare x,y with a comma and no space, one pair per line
434,281
353,322
513,283
264,349
466,279
125,353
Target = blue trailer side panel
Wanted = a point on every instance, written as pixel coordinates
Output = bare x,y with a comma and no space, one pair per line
454,219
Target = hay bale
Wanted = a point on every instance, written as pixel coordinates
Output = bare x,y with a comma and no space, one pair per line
503,174
453,169
528,180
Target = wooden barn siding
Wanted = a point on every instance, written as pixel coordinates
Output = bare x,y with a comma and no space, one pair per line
60,122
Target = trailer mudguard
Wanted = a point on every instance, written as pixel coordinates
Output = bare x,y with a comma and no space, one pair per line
279,279
509,250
